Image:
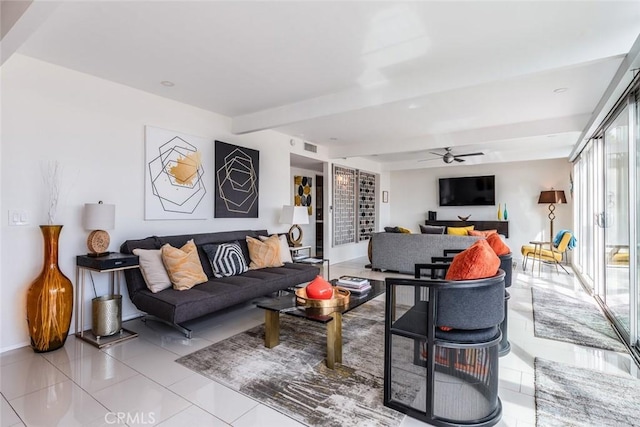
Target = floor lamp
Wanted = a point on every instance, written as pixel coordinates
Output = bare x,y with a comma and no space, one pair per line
552,197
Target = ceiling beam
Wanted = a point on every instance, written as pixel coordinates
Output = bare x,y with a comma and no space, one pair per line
468,137
623,77
406,89
19,21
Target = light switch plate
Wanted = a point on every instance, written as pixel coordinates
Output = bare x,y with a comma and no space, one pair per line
18,217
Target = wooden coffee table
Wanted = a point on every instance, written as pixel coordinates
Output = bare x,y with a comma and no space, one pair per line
287,305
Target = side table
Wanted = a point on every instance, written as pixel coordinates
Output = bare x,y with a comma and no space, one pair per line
319,262
538,246
295,252
113,263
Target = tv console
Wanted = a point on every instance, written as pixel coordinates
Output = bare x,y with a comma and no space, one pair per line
501,226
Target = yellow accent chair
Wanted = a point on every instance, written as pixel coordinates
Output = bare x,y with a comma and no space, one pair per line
618,255
553,255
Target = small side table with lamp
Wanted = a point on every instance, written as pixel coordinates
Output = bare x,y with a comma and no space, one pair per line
107,309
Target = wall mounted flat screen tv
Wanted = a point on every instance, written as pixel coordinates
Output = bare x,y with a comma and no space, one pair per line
467,191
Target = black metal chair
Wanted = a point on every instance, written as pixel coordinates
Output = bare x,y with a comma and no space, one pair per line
443,376
506,264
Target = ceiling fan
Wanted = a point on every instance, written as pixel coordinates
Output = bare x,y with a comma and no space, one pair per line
449,157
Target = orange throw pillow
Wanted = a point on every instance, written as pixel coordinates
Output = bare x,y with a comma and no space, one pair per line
481,233
264,254
478,261
498,246
183,265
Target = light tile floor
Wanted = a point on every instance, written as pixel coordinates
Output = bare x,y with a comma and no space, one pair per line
138,383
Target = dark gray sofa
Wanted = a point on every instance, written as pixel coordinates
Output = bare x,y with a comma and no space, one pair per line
176,307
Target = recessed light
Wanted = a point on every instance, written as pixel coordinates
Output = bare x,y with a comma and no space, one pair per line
413,106
167,83
333,138
560,90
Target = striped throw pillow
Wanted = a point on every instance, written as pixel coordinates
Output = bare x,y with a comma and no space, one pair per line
226,259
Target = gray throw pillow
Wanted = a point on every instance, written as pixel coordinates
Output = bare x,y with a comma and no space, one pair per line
432,229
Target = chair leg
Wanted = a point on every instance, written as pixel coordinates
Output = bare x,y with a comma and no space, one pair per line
565,270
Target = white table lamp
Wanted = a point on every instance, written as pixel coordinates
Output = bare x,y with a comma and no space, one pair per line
99,217
294,215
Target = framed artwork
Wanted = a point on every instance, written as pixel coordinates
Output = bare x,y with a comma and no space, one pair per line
354,205
176,166
366,205
302,195
237,172
344,205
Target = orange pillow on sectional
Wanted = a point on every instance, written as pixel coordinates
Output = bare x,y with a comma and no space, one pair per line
481,233
498,246
478,261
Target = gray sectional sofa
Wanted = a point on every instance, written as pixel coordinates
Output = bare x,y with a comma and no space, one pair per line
176,307
400,252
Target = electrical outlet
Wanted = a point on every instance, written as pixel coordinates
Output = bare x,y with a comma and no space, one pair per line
18,217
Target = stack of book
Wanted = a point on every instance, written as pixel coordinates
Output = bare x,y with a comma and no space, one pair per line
356,285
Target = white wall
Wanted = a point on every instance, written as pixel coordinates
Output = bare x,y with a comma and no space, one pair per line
95,129
518,184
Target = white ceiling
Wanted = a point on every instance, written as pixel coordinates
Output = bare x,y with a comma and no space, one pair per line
390,81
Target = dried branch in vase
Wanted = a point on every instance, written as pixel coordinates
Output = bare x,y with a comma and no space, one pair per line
51,174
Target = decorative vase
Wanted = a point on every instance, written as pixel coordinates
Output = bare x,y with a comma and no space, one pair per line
499,212
319,289
49,298
505,214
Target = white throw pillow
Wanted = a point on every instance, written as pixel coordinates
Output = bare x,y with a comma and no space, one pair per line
153,271
285,253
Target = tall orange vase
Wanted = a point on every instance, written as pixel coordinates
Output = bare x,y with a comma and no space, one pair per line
49,298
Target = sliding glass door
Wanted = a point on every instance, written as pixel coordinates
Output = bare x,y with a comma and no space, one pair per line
635,209
616,218
607,190
588,217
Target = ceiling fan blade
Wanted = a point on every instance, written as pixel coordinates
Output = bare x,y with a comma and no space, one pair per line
428,160
458,160
470,154
437,154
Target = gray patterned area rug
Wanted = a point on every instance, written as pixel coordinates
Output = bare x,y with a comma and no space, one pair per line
292,377
570,396
572,318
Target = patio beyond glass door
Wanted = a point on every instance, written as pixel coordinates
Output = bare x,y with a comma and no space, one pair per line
616,220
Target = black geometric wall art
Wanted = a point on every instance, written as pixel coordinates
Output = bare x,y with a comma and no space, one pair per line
366,205
175,184
237,172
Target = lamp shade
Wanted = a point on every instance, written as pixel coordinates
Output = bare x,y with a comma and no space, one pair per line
294,215
99,216
552,196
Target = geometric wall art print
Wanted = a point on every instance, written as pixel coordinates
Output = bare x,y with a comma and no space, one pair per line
366,205
236,189
302,195
176,165
344,205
